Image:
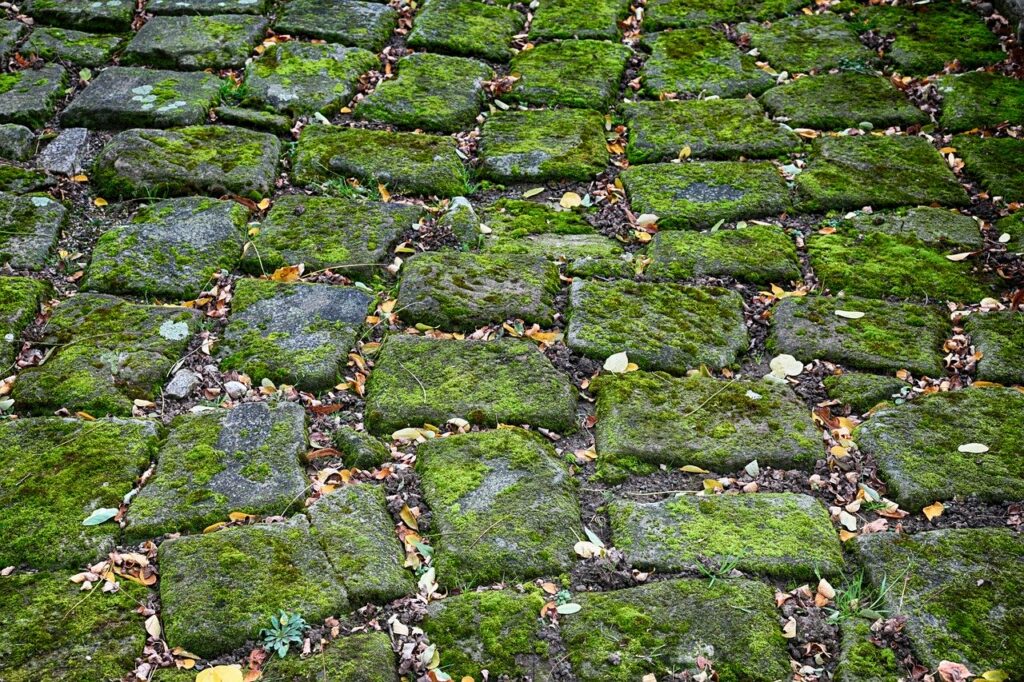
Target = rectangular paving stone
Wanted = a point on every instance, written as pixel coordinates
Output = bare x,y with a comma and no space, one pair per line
917,446
699,194
863,391
206,6
73,47
934,227
11,32
55,473
649,418
550,74
114,16
219,589
782,535
466,28
699,61
511,482
18,179
761,254
194,43
809,42
622,635
251,118
994,162
298,334
687,13
17,143
20,298
246,459
368,25
31,226
598,20
979,99
29,97
999,336
418,381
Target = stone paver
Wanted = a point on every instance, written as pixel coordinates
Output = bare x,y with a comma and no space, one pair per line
861,658
685,13
17,143
979,99
995,163
75,47
31,226
999,336
534,146
85,15
578,19
19,303
466,28
863,391
935,227
195,43
349,22
206,6
17,179
841,100
550,75
29,97
699,61
803,43
10,33
761,254
361,450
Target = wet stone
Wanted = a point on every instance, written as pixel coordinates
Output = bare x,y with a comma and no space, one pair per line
518,146
860,658
889,336
917,446
131,97
219,589
360,450
17,142
206,6
688,13
809,42
357,534
995,163
935,227
485,382
21,180
621,636
863,391
466,28
19,302
1000,337
10,33
301,78
700,194
761,254
298,334
194,43
465,291
979,99
550,74
432,92
65,154
782,535
29,97
31,225
114,16
510,481
351,237
250,118
348,22
596,19
63,470
713,129
699,61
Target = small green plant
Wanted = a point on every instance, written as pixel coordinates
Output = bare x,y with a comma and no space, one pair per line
284,631
233,93
722,571
856,600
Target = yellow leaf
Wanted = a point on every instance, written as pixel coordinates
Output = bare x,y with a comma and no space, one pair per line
221,673
685,152
385,195
532,192
692,469
711,484
288,273
995,676
947,150
642,236
570,200
264,204
409,518
81,177
215,526
838,451
933,511
845,535
241,516
99,201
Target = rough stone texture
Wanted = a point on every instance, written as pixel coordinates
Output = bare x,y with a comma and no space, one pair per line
1013,226
995,163
17,142
419,381
861,659
462,220
65,154
935,227
841,100
979,99
241,460
73,47
809,42
130,97
863,391
206,6
1000,337
349,22
761,254
685,13
467,28
182,384
360,450
55,473
917,445
218,590
31,226
296,334
194,43
597,19
699,61
10,33
889,337
550,74
261,120
29,97
511,482
15,179
19,302
171,250
114,16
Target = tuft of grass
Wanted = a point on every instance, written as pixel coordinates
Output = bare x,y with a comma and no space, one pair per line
856,599
721,572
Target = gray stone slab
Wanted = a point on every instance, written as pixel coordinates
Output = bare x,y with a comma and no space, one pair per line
349,22
999,336
31,225
65,154
10,33
17,143
29,97
112,16
194,43
206,6
762,254
74,47
20,298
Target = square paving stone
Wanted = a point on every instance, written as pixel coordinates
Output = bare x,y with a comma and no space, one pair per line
114,16
809,42
597,19
194,43
252,118
761,254
19,302
429,381
621,636
206,6
963,594
550,74
700,194
699,61
464,291
349,236
562,144
357,533
246,459
688,13
405,163
74,47
862,391
466,27
504,507
433,92
837,101
1000,337
494,630
995,163
170,250
55,473
660,326
710,128
17,179
782,535
917,446
31,226
935,227
213,160
646,419
301,78
297,334
108,352
131,97
29,97
219,589
979,99
11,33
889,336
52,632
851,172
368,25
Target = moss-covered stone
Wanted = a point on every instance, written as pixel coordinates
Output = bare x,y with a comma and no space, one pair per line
917,445
852,172
620,636
31,226
405,162
206,6
842,100
367,25
419,381
861,659
689,13
809,43
29,97
503,507
995,163
700,194
359,449
302,78
53,632
563,144
863,391
466,27
219,589
934,227
963,593
194,43
11,33
999,336
761,254
56,472
73,47
296,334
17,143
208,160
19,302
1012,225
550,74
114,16
645,419
252,118
596,19
16,179
494,630
980,99
699,61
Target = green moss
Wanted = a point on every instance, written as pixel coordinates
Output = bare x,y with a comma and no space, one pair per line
75,47
838,101
466,27
761,254
195,43
980,99
688,13
515,218
995,163
862,660
597,19
84,15
999,336
19,302
809,42
550,74
29,97
863,391
16,179
699,61
365,25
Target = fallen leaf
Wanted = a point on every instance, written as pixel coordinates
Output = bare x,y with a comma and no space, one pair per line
264,204
570,200
953,672
98,516
845,535
973,448
959,256
241,516
99,202
933,511
289,273
692,469
789,629
385,195
221,673
587,550
850,314
569,608
848,520
409,518
153,626
616,364
712,485
786,365
532,192
550,588
995,676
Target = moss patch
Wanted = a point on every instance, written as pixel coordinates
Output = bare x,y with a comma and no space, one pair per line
861,659
368,25
31,226
809,43
85,15
995,163
597,19
466,27
15,179
761,254
934,227
980,100
862,391
699,61
359,449
29,97
194,43
74,47
1000,337
689,13
550,74
19,302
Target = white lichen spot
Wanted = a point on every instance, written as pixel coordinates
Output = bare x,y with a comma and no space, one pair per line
174,331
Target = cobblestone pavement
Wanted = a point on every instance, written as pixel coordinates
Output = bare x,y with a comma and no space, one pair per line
570,341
